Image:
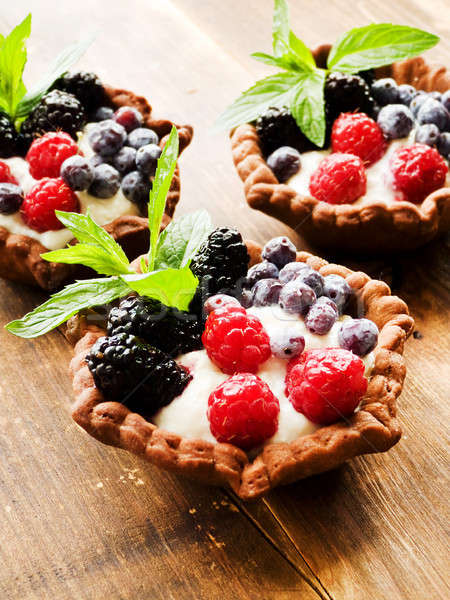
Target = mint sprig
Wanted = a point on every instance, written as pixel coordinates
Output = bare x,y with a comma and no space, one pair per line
14,99
161,184
300,85
168,279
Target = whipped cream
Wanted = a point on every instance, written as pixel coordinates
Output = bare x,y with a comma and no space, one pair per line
379,180
101,210
186,414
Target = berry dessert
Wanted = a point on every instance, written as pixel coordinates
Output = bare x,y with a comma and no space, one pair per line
351,161
78,146
298,377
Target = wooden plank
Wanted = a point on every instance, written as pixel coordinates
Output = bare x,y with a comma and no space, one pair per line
81,520
377,527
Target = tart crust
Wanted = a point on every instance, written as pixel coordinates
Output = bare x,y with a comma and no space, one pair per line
374,428
377,227
20,255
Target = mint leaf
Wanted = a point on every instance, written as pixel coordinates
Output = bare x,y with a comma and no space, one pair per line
66,303
280,28
275,90
377,45
172,287
13,56
161,184
307,106
181,239
90,256
86,230
62,63
274,61
300,51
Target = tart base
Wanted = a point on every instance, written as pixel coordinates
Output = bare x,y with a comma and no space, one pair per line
374,428
20,255
377,227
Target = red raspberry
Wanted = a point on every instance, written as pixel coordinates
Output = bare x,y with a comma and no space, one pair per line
243,411
326,385
339,179
417,171
235,341
5,174
358,134
47,154
46,196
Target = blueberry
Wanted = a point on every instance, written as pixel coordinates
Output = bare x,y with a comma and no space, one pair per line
296,297
292,270
106,181
96,160
395,120
147,158
406,93
443,145
313,279
287,345
427,134
107,137
246,298
336,288
360,336
284,162
266,292
219,301
102,113
125,160
445,100
136,188
432,111
435,95
11,198
280,251
262,270
321,316
141,137
77,172
385,91
417,102
129,117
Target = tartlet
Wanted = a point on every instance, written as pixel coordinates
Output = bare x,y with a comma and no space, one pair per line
372,428
378,227
20,255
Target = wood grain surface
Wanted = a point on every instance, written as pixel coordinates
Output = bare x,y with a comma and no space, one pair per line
83,521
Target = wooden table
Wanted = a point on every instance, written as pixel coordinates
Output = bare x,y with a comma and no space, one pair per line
84,521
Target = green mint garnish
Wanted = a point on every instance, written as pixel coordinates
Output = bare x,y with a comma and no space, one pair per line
161,184
167,276
300,86
181,240
67,303
14,99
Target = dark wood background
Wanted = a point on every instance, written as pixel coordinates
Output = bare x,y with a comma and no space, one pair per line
80,520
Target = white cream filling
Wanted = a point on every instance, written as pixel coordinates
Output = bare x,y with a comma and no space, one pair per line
379,180
186,415
101,210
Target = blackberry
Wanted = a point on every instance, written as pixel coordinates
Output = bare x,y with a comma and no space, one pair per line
223,257
8,137
168,329
221,261
128,370
368,76
87,87
56,111
346,93
276,127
